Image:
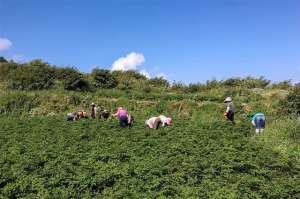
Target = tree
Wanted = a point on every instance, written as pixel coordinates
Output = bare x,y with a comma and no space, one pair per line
72,79
35,75
3,60
103,79
6,68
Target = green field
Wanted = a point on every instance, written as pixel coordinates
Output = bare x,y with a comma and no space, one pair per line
53,158
200,156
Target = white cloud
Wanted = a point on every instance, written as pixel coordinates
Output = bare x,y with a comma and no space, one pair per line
129,62
145,73
5,44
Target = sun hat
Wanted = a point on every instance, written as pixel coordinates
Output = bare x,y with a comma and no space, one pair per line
228,99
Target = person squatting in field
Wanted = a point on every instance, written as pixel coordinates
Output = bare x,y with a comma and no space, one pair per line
99,112
103,113
124,118
75,116
258,120
72,116
229,113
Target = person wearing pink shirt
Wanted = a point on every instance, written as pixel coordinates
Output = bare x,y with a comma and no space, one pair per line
122,115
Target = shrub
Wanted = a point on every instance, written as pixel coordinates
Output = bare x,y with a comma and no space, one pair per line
17,103
177,86
158,81
6,68
282,85
103,79
127,75
35,75
147,89
248,82
3,60
72,79
292,101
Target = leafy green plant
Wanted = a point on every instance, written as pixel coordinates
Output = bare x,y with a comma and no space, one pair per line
50,157
103,79
292,101
72,79
35,75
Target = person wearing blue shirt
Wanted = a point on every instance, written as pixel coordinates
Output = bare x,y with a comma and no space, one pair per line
259,121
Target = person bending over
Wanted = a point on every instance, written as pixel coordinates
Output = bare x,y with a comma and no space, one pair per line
122,115
258,120
153,123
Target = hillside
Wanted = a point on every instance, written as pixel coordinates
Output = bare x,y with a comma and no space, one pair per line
200,156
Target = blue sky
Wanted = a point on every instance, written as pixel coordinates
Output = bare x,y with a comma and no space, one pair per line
186,40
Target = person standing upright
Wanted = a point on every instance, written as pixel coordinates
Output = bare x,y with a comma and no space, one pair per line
93,111
229,113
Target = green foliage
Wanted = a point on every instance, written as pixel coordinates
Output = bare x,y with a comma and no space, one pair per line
6,68
3,60
292,101
126,85
248,82
35,75
103,79
287,84
72,79
159,82
18,103
53,158
125,75
147,89
177,86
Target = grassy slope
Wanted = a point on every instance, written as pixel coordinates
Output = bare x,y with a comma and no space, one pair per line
49,157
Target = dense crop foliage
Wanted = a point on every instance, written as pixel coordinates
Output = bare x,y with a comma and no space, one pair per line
52,158
201,156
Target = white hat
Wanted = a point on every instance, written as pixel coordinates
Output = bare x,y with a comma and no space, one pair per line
228,99
92,104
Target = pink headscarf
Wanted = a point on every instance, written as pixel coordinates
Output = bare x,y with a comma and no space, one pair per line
169,121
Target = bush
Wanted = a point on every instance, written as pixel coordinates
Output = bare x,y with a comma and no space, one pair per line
6,68
147,89
282,85
72,79
35,75
177,86
126,85
103,79
3,60
17,103
158,81
248,82
128,75
292,101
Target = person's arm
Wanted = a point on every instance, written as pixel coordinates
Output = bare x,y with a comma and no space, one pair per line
163,123
253,121
227,109
115,114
